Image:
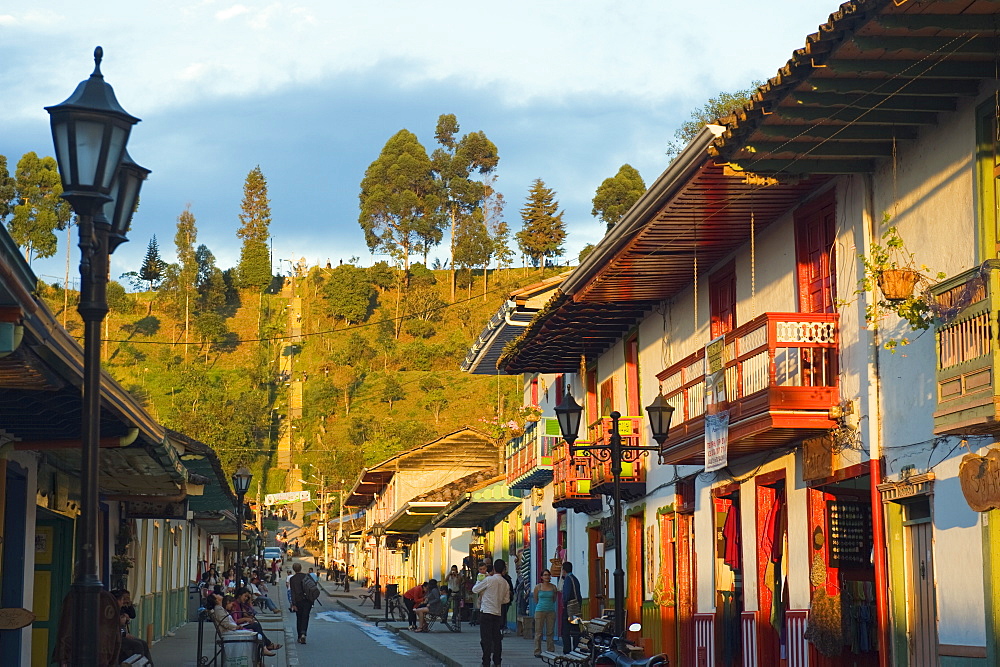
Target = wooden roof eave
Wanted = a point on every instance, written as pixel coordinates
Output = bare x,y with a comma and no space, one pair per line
877,71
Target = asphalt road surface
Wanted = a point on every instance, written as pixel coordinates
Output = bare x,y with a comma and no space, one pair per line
338,637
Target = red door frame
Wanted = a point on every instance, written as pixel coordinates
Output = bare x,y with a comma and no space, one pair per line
768,486
722,299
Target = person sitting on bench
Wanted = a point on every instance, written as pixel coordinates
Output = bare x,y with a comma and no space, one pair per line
225,621
431,605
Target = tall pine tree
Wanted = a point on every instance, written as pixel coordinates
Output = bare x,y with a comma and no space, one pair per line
254,270
543,231
152,267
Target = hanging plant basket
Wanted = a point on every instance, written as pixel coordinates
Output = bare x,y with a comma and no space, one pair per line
897,284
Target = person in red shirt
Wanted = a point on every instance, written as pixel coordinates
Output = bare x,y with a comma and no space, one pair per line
411,599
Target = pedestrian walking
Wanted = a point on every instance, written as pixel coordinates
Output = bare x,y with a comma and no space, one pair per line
545,613
572,599
485,570
494,592
301,604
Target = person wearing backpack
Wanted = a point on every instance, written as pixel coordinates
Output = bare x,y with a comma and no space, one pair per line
305,591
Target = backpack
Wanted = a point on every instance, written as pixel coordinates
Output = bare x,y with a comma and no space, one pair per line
310,589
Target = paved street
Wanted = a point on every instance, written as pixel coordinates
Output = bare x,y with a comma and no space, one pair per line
338,637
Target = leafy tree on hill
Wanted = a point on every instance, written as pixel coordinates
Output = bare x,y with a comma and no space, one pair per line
454,164
181,279
210,283
389,389
255,221
616,195
349,294
38,208
715,108
399,199
498,230
8,188
543,231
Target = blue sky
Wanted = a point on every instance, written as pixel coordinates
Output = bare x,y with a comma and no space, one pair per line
311,90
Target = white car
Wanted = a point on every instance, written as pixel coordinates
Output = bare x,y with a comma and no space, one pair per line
270,553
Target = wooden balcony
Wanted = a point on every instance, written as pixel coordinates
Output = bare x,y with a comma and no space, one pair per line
781,381
529,456
967,391
571,480
633,477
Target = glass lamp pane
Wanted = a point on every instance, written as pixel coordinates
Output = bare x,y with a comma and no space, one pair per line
60,135
88,151
115,149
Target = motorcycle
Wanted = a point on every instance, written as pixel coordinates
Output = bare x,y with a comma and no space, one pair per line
612,651
607,650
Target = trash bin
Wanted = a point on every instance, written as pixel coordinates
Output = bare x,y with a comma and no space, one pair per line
194,602
239,646
391,591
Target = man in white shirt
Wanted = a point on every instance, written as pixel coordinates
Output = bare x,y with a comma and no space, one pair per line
493,594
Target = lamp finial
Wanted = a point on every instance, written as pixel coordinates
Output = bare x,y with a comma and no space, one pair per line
98,57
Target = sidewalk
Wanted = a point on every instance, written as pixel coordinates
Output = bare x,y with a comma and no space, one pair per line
181,650
455,649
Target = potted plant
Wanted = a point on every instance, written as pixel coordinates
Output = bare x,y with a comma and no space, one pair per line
893,270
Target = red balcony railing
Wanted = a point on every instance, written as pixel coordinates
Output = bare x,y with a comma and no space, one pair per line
571,480
529,456
781,381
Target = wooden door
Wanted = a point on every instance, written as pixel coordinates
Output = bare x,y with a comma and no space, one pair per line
53,553
722,300
921,606
815,235
686,593
634,573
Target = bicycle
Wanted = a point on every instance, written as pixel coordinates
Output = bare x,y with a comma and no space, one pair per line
396,608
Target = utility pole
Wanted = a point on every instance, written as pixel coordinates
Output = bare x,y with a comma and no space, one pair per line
326,522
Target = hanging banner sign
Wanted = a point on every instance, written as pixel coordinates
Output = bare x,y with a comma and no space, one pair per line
716,441
287,498
716,414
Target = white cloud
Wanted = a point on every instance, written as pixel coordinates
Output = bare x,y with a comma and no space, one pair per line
232,12
7,20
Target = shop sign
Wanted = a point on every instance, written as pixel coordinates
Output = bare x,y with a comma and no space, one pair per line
980,480
142,509
286,498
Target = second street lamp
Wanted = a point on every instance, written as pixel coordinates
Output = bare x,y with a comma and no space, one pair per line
241,483
569,413
90,131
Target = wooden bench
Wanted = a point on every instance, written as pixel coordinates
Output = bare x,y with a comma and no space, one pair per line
370,595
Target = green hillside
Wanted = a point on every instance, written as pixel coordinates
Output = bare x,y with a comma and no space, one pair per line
378,362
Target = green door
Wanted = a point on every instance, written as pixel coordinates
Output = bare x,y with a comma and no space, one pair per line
53,565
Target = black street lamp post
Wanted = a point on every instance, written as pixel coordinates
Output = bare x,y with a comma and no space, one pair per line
568,413
241,483
378,532
90,131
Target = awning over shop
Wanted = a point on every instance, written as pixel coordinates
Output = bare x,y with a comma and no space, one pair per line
482,507
413,516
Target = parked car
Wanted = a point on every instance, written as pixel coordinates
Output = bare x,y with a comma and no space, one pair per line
272,552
